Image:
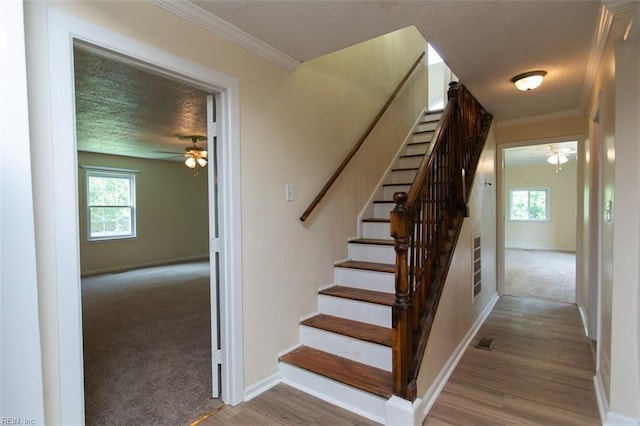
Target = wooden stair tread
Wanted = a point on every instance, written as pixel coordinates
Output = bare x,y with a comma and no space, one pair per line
403,169
377,297
361,376
368,266
376,219
396,184
373,241
356,329
412,156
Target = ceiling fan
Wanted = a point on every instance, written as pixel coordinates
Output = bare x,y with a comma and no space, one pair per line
559,156
194,155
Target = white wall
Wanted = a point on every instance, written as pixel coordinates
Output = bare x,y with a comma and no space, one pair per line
172,216
21,396
559,232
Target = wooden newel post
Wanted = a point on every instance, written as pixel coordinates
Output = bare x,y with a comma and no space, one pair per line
402,344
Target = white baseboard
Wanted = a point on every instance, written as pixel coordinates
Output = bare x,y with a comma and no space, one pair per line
601,396
584,318
615,419
560,249
441,379
609,418
124,268
264,385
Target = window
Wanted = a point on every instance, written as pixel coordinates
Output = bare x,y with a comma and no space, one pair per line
529,204
111,200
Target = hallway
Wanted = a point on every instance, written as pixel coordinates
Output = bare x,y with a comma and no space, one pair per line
539,373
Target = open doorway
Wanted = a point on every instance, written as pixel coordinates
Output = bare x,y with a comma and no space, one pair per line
539,202
61,158
149,290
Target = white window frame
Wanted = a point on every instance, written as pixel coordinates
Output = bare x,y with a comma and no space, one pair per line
547,191
116,174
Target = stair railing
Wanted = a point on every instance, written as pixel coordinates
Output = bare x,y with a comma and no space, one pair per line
422,224
359,143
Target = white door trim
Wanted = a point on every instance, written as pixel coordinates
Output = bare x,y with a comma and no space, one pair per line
502,199
63,29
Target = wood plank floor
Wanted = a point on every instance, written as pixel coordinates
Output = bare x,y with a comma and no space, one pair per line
539,373
283,405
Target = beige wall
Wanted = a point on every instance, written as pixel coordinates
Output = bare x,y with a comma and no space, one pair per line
458,312
296,127
613,152
172,216
559,233
540,129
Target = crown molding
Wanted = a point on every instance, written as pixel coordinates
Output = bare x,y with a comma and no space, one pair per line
222,28
608,12
569,113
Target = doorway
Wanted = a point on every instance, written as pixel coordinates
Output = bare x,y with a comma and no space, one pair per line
149,290
539,211
64,208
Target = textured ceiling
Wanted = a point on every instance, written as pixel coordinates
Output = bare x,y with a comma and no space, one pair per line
537,154
122,109
485,43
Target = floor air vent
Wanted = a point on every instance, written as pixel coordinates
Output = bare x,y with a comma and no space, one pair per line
485,343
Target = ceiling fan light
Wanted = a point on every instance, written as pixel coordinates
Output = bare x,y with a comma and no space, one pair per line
557,158
190,162
528,80
202,161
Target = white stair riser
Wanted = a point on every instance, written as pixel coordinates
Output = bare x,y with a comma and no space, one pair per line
379,230
346,347
363,279
388,191
403,176
355,310
429,126
345,396
412,149
431,116
382,210
372,253
422,137
407,162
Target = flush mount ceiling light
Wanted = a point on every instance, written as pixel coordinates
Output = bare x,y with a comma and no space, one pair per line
194,155
528,80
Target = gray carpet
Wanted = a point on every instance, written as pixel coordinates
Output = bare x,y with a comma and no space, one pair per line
147,348
538,273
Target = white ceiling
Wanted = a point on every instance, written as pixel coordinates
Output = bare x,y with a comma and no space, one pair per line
538,154
124,110
485,43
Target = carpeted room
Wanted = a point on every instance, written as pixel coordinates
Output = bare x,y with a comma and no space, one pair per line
147,330
540,221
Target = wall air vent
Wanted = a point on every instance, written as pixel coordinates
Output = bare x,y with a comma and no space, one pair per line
476,270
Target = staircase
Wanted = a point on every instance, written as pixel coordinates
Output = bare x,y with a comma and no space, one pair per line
345,354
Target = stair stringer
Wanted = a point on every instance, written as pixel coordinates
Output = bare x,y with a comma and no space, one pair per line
367,210
381,407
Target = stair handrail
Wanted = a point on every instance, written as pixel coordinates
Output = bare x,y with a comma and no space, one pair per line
360,141
420,225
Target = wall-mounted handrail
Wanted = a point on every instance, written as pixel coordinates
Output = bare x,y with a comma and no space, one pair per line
358,144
